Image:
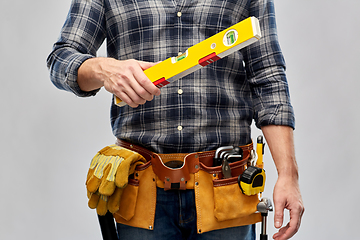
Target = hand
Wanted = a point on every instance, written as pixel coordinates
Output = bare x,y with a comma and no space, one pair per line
125,79
287,196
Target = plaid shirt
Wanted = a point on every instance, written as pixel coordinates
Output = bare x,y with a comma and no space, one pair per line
211,107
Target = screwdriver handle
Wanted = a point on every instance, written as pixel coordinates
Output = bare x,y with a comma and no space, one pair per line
260,151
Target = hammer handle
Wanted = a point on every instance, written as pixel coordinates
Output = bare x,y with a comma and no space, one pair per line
107,226
263,237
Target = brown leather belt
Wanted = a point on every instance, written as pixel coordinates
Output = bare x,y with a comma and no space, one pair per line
177,178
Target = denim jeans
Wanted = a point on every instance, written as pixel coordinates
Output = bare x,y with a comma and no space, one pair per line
175,219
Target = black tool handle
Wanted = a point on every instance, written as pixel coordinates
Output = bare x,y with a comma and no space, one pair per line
107,226
263,237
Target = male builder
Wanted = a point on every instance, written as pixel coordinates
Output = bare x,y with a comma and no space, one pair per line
207,109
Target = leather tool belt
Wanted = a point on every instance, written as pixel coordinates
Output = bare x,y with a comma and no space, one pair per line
219,200
175,170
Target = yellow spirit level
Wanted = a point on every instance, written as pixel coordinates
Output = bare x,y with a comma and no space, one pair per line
206,52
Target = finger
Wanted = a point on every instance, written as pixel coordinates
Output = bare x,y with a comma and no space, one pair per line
146,65
295,220
142,87
153,89
286,232
280,235
118,87
130,98
144,81
279,213
125,98
128,95
292,227
139,88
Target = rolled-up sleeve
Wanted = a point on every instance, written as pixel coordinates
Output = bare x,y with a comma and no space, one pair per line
80,38
265,66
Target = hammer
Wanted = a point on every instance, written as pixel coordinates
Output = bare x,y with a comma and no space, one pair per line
264,206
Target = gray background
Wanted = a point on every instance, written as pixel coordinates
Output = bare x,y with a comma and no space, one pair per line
49,136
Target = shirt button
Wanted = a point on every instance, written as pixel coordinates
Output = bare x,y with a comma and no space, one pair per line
180,128
180,91
179,14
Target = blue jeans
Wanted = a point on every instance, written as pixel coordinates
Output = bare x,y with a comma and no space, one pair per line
175,219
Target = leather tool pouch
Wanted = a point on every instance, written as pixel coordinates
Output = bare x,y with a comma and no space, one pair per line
138,200
220,202
230,202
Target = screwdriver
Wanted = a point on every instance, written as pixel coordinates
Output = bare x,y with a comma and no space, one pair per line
260,151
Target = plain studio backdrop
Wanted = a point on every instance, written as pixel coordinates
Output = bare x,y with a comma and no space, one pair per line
48,136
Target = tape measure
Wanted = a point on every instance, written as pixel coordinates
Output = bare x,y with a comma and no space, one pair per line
252,181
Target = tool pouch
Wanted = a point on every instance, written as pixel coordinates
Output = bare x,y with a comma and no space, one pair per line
230,202
220,202
128,200
138,200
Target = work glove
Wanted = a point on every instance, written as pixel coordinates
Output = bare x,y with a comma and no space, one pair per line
98,201
103,203
108,175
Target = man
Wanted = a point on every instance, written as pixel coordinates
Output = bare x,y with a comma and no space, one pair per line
207,109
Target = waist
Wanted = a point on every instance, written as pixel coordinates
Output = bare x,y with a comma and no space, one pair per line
176,170
205,157
179,134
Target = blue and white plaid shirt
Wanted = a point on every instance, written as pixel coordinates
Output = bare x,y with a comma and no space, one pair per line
211,107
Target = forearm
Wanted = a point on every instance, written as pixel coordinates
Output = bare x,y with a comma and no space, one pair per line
89,75
280,140
286,191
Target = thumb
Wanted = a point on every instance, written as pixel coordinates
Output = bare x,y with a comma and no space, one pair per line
146,65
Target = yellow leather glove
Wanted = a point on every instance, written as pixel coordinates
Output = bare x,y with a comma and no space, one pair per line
103,204
108,175
98,201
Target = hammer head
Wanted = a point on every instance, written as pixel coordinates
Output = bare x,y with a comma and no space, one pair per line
265,205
